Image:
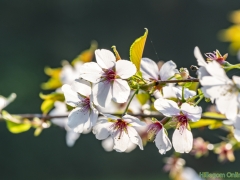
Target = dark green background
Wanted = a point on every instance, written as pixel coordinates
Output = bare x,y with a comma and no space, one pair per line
35,34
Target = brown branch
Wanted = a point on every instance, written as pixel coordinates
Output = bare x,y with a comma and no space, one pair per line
177,81
49,117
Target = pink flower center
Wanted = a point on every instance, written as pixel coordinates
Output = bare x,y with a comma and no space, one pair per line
120,126
109,75
183,121
85,104
213,56
153,129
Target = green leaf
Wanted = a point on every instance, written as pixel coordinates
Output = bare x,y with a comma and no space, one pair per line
136,50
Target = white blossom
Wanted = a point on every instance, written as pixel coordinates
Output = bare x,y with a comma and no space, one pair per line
217,86
150,70
122,131
182,137
60,109
161,139
84,115
109,76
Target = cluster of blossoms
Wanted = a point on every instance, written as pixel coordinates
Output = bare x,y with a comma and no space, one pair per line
95,91
118,101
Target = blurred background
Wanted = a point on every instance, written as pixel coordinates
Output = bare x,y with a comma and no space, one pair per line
36,34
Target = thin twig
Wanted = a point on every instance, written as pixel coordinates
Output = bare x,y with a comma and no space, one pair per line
49,117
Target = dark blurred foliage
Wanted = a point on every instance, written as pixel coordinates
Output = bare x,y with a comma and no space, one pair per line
35,34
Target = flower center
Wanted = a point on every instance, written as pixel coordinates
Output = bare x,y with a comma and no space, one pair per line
215,57
182,122
85,104
120,126
153,129
109,75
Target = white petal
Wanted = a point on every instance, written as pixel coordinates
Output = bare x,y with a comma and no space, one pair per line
60,109
190,174
105,58
125,69
77,117
71,97
215,70
79,128
228,105
71,138
67,74
93,117
236,122
102,93
167,70
169,92
81,86
121,141
193,112
236,80
102,130
167,107
107,144
121,91
149,69
131,147
133,121
91,72
182,143
162,142
187,93
201,61
157,94
201,72
134,137
111,116
237,134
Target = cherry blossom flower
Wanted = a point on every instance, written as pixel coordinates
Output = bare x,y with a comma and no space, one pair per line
171,91
150,70
162,142
60,109
69,73
182,137
225,152
109,76
122,131
217,86
200,147
174,165
78,95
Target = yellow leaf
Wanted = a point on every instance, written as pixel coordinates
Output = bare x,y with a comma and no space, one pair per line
214,115
14,124
202,123
142,98
136,50
87,55
47,105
